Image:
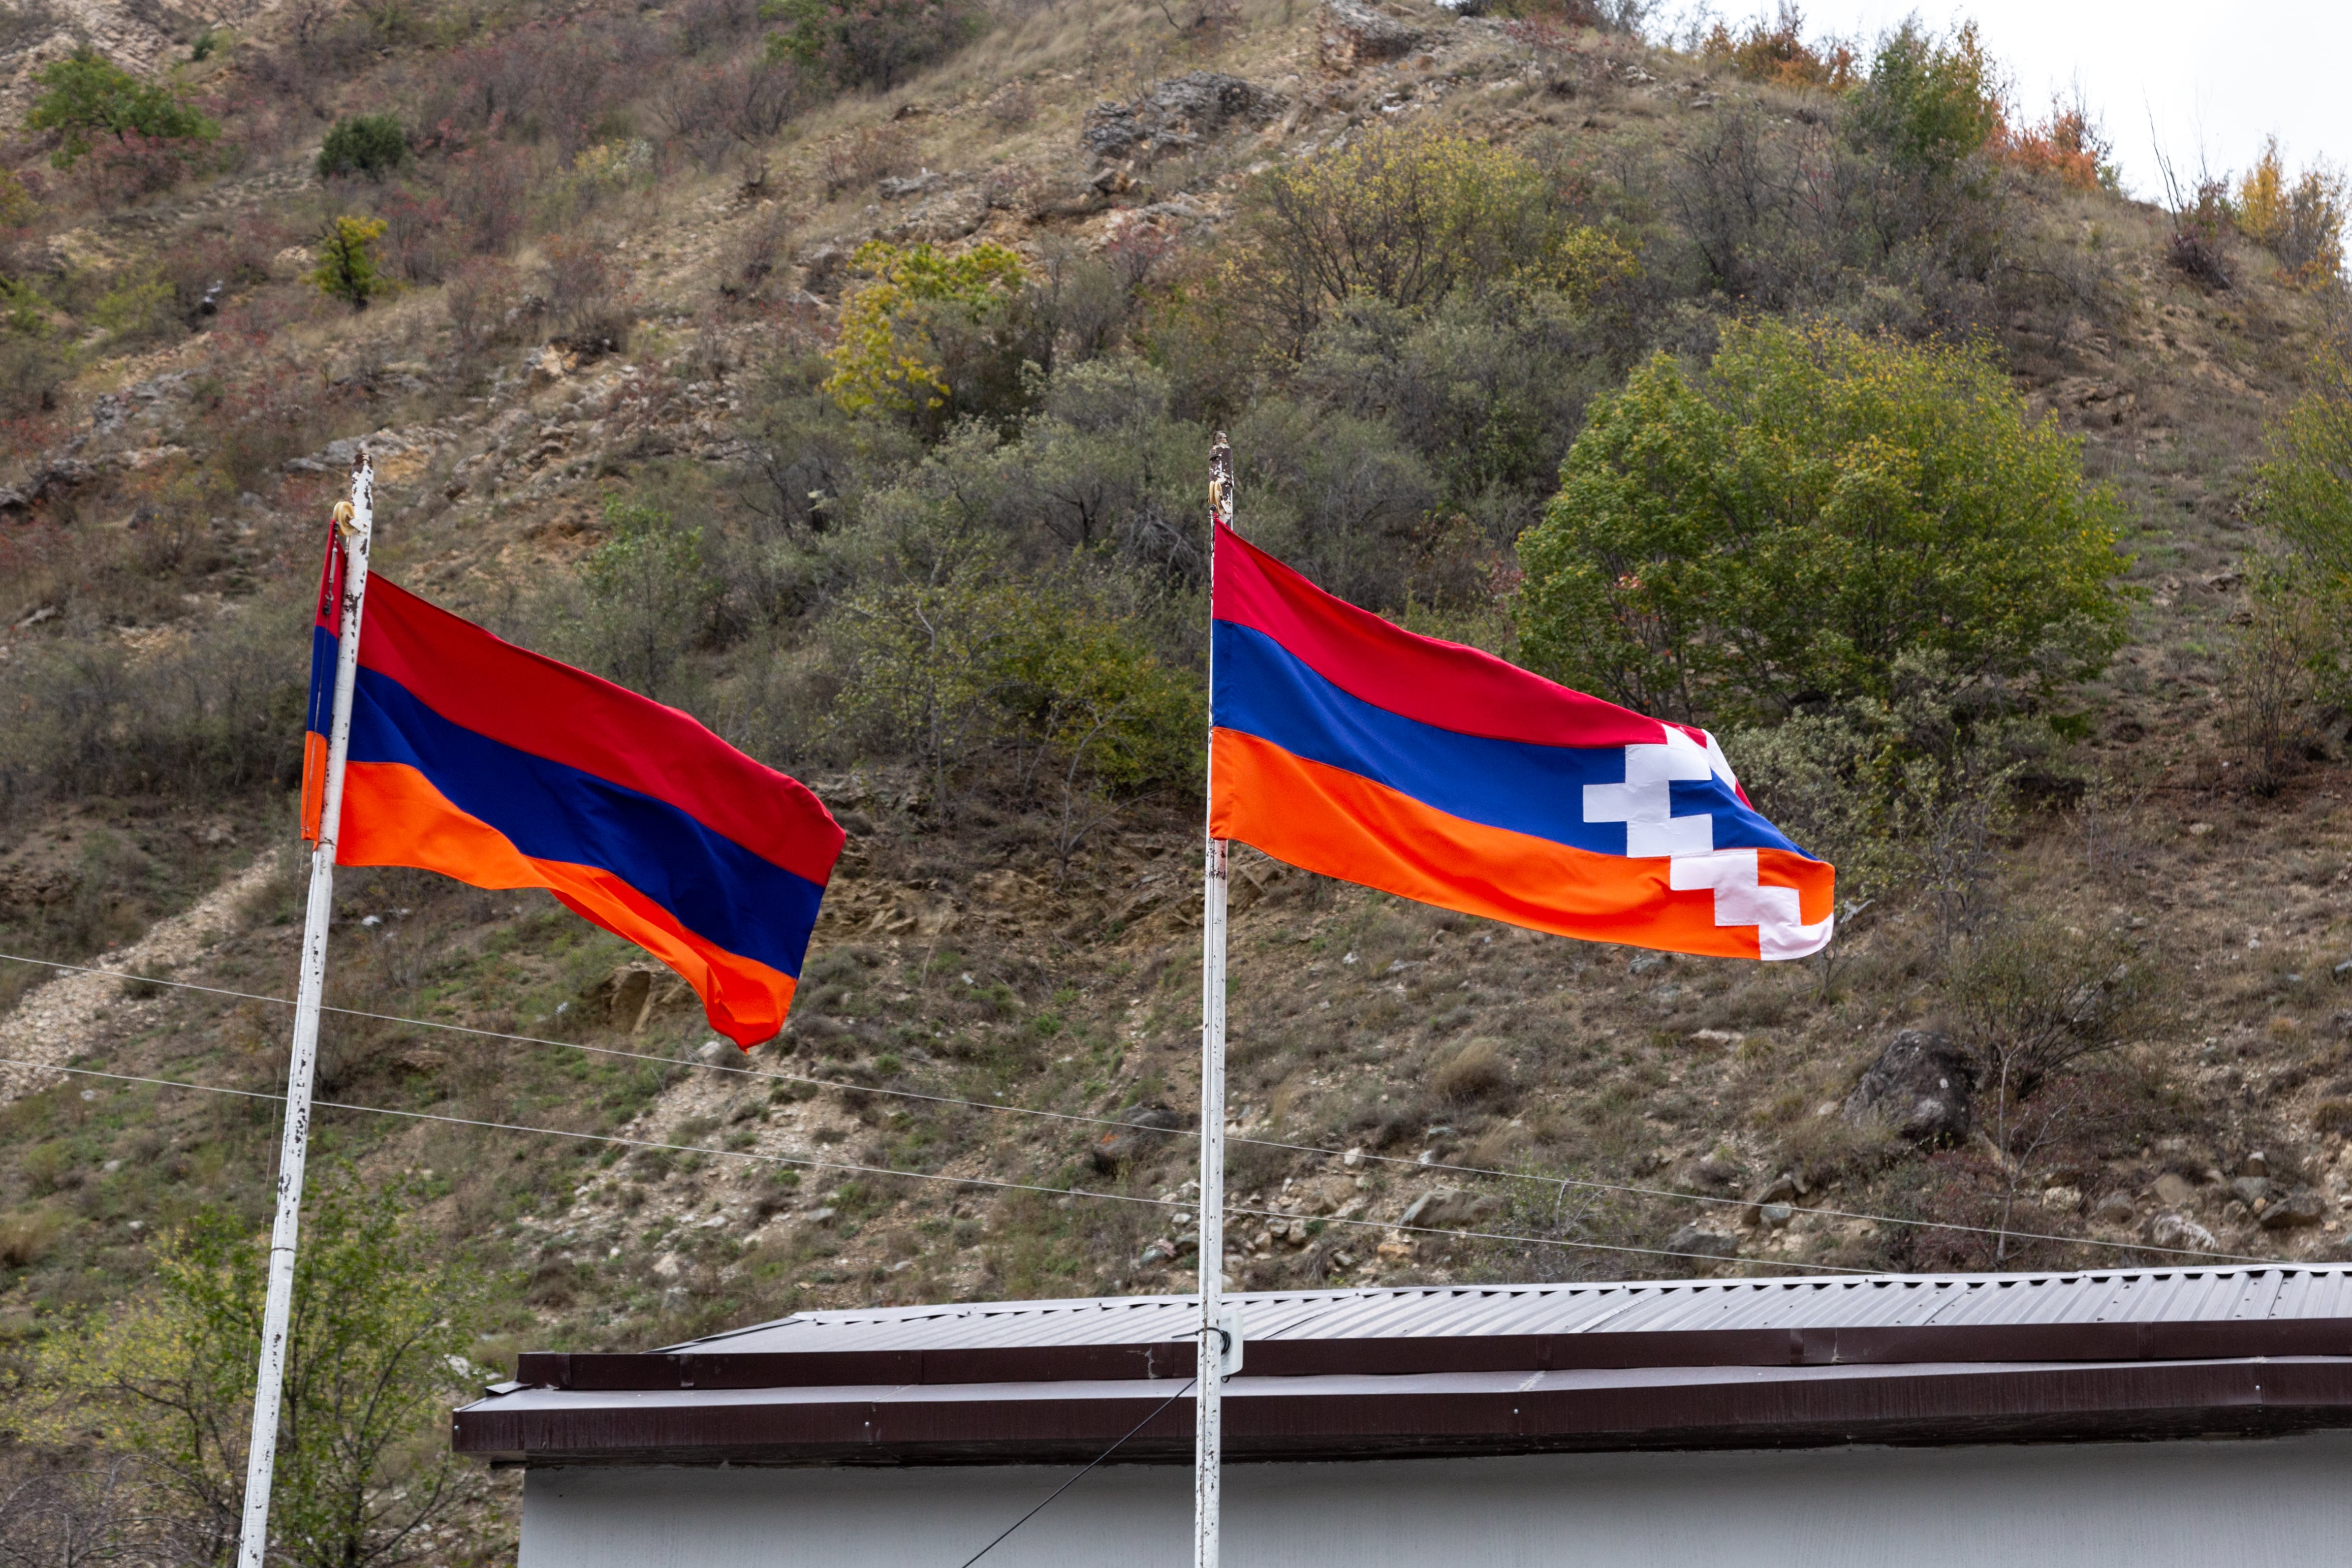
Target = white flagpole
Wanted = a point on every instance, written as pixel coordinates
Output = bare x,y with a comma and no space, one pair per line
261,1458
1214,1351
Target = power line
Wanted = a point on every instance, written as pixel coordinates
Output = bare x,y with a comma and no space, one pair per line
1580,1182
1082,1475
814,1164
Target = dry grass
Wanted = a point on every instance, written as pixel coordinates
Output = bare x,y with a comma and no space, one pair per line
1477,1073
25,1236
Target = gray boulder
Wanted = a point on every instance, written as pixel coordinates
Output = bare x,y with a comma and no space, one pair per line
1919,1086
1696,1241
1147,1126
1778,1191
2178,1232
2300,1207
1449,1208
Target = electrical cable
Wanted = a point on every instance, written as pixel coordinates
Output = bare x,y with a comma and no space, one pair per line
1082,1475
1578,1183
812,1163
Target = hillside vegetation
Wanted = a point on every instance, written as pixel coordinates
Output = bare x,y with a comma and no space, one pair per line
844,372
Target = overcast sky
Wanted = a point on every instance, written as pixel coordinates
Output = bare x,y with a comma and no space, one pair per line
2214,75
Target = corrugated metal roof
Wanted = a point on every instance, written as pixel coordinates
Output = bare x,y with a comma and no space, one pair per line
2166,1295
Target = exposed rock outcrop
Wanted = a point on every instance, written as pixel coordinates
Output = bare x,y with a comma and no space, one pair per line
1919,1086
1354,34
1179,113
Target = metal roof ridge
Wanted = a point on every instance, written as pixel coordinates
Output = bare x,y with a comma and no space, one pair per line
1610,1302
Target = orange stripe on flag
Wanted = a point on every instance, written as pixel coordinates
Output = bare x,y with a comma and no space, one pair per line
314,783
393,816
1339,823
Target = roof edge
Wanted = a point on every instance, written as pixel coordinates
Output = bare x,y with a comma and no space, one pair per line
1307,1356
1355,1418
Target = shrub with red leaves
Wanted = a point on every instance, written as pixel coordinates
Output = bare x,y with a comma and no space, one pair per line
2067,146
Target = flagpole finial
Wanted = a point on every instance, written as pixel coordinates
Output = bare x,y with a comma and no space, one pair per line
1221,480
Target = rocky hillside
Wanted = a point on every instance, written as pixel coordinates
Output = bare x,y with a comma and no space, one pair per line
620,268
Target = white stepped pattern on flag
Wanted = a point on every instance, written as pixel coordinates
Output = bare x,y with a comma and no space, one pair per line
1645,803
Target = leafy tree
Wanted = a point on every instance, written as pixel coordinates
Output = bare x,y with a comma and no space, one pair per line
369,144
1928,103
379,1332
900,326
2301,221
2304,487
1104,468
1779,532
18,207
651,596
867,46
86,96
347,269
2304,494
1488,387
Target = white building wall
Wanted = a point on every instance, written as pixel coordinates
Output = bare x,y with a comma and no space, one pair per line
2152,1505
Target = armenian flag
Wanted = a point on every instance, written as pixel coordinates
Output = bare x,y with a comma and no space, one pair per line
1355,749
479,760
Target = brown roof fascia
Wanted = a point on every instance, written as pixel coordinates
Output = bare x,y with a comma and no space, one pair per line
1364,1417
832,1369
1404,1355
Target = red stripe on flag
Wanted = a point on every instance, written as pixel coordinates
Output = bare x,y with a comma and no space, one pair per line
1427,678
550,710
393,815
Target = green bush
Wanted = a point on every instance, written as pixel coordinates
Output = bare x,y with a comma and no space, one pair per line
2033,998
956,671
867,46
2304,489
1927,104
2292,656
33,363
375,1357
1335,495
137,308
923,335
1105,470
347,269
217,713
86,95
369,144
649,596
1488,388
1907,795
1406,217
1776,533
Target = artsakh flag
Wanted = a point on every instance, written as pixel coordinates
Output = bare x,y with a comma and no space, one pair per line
476,759
1350,747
